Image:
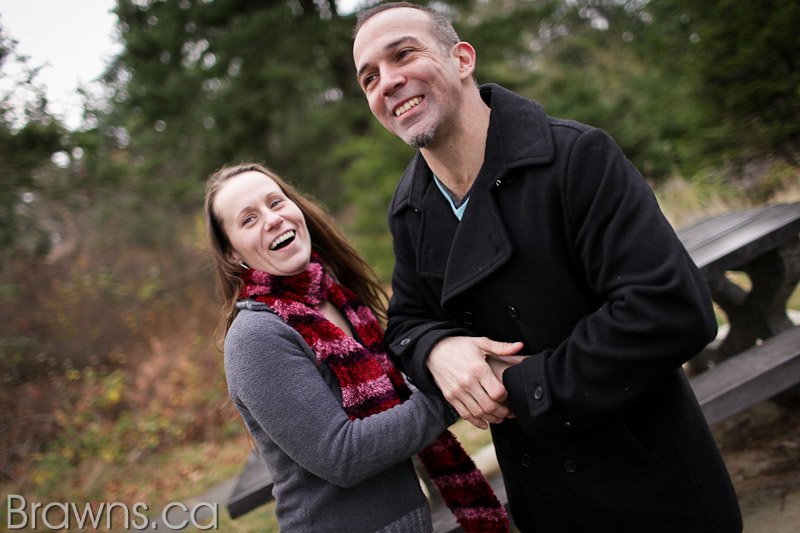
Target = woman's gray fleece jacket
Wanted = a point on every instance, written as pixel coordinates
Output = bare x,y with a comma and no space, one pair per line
331,473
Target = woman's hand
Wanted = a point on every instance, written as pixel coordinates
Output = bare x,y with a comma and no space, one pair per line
499,363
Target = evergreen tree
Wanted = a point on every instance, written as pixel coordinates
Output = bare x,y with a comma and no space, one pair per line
29,136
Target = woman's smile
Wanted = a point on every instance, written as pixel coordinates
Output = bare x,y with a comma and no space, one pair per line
283,241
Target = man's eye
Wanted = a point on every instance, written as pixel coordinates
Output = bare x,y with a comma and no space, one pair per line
369,79
403,53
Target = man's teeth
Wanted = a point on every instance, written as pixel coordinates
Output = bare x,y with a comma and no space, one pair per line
408,105
283,238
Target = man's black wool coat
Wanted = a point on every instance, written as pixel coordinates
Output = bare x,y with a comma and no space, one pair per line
564,247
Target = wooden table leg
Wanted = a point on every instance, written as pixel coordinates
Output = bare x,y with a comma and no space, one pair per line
760,313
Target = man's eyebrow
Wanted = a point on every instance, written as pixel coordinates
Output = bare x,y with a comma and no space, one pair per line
390,46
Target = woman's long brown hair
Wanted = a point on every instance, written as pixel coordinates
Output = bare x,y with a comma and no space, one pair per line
338,256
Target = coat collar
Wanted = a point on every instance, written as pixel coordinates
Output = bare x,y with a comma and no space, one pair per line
519,134
465,253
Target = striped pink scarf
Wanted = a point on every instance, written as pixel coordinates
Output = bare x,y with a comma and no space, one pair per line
370,383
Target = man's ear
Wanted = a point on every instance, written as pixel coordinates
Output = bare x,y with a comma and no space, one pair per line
467,57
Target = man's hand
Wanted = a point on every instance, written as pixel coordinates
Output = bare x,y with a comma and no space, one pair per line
459,367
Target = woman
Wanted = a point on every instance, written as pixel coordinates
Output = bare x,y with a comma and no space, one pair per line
307,371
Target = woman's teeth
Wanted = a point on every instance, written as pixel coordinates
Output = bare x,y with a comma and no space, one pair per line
283,240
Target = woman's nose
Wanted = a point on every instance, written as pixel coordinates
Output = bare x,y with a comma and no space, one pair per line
273,220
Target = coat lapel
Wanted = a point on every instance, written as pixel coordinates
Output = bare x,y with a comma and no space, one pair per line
461,254
437,231
480,245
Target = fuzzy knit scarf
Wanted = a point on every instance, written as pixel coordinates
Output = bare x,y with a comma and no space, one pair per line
370,383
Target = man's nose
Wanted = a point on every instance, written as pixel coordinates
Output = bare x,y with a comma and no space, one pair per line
391,80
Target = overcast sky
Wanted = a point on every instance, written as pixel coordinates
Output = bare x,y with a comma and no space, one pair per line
72,40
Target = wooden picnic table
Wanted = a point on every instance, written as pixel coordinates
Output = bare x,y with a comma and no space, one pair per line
763,243
761,351
759,356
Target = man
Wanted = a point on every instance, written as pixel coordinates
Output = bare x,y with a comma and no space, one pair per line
510,225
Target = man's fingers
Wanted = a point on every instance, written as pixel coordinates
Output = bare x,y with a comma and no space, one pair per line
478,423
493,389
465,413
461,371
499,348
491,395
486,388
474,403
486,392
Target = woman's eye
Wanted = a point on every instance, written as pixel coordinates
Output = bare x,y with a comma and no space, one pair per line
247,220
275,203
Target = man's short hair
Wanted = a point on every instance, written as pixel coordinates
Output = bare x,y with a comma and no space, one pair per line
443,29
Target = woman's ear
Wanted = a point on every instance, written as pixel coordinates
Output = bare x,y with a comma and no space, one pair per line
236,260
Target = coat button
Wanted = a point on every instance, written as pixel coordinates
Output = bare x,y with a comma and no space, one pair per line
526,460
468,318
498,182
570,466
567,425
512,312
404,342
538,393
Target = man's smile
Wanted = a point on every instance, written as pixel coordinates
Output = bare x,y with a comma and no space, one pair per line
399,110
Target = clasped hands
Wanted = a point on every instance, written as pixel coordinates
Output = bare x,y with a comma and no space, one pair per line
469,372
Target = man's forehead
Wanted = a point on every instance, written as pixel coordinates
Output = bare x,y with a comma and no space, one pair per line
385,33
393,41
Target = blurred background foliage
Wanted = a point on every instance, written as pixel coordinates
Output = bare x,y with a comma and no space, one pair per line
108,311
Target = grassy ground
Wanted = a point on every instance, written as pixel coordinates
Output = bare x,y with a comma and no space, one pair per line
174,475
179,474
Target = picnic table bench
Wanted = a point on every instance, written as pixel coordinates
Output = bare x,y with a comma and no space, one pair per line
253,487
758,358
